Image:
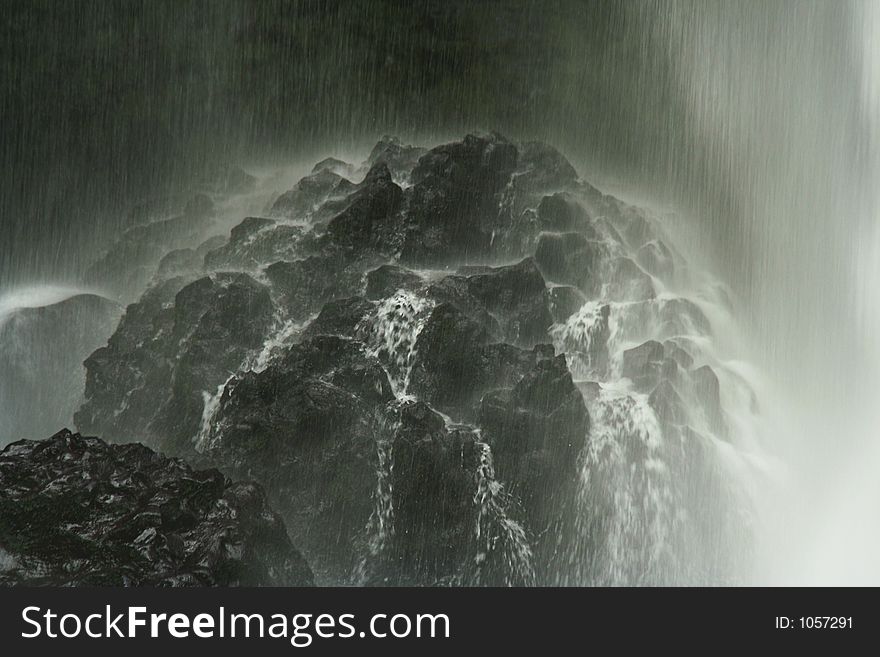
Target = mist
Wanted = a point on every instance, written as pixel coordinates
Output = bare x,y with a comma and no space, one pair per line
751,126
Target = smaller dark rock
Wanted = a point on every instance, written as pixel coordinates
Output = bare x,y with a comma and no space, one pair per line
340,317
571,259
369,218
560,212
76,511
397,156
384,281
648,365
565,300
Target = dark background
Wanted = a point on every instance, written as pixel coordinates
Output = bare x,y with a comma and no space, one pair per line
104,103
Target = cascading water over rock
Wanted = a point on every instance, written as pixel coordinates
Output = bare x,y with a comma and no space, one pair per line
458,365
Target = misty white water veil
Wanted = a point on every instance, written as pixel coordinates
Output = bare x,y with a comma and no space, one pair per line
708,268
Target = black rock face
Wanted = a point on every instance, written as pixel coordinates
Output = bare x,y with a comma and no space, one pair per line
454,201
517,296
323,371
76,511
571,258
254,243
390,353
369,218
307,426
170,348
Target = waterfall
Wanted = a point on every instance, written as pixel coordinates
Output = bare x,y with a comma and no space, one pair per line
393,332
626,508
496,531
779,123
726,344
380,526
282,331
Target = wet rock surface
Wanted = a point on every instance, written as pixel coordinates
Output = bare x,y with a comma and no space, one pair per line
438,363
75,511
170,347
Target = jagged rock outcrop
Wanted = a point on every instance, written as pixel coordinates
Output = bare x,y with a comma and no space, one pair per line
400,158
322,187
179,342
255,242
302,377
407,353
307,426
75,511
537,429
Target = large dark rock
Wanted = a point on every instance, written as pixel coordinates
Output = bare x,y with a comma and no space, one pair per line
306,427
517,295
76,511
170,349
319,188
369,219
256,242
572,259
537,429
453,204
412,425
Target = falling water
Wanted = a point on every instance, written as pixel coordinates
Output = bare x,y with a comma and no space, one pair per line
496,531
393,332
748,131
282,331
380,526
779,103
